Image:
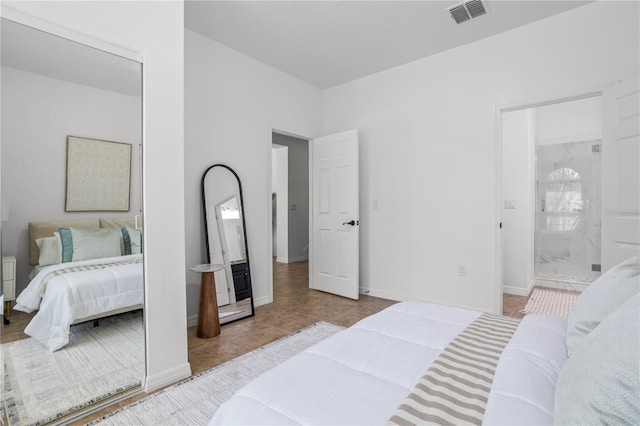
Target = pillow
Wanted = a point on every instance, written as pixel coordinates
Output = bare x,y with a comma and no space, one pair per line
601,298
66,244
126,241
600,382
132,240
93,243
50,249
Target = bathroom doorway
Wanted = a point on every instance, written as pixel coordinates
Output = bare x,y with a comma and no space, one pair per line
552,196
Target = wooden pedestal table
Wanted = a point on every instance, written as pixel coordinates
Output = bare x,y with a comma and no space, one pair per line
208,319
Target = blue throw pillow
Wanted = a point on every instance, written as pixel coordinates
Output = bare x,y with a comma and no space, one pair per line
127,240
67,244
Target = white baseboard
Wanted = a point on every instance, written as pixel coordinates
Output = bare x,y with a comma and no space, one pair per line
517,291
383,294
259,301
403,298
192,320
167,377
561,285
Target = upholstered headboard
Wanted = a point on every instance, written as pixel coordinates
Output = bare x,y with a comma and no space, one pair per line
46,229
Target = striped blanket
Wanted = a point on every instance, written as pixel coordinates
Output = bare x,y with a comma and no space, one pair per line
79,268
455,389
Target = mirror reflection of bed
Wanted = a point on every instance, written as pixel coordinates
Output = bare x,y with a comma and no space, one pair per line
52,88
226,242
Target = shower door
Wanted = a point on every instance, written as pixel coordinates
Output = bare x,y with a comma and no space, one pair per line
568,218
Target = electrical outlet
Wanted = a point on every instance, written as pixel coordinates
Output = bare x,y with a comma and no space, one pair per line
462,270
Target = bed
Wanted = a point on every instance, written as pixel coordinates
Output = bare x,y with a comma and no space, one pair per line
423,363
82,271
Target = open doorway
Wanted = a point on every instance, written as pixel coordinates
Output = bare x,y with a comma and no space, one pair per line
290,207
551,194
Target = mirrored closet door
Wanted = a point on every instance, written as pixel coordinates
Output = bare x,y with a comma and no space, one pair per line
71,225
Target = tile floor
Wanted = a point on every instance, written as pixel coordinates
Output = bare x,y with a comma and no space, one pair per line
512,305
295,306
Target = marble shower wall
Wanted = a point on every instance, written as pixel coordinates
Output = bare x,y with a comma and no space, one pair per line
568,206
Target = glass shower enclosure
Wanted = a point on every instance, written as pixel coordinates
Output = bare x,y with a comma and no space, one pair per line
568,212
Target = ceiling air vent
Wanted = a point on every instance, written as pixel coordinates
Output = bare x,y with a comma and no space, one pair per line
467,10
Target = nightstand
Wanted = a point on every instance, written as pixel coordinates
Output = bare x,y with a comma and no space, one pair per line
8,282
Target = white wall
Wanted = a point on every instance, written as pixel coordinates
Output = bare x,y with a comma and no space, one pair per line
298,201
232,104
579,120
156,30
38,113
279,185
518,180
428,151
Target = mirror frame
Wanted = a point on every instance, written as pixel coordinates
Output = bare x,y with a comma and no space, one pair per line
244,229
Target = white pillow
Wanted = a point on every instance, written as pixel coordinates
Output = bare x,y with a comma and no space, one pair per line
95,243
50,250
600,383
601,298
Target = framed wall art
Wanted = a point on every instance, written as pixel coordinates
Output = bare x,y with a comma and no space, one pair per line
98,175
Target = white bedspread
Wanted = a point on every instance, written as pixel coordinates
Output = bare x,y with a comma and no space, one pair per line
78,295
361,375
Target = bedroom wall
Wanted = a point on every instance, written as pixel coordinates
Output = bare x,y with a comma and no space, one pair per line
428,152
156,30
34,156
518,176
279,186
569,121
232,104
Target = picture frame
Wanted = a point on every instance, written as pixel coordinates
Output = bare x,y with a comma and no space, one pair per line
98,175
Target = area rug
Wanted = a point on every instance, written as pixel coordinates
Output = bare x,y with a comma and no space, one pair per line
550,302
195,400
98,362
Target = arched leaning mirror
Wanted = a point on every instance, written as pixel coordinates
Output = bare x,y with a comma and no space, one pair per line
226,241
75,336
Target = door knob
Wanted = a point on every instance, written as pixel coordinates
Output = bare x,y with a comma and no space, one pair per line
351,222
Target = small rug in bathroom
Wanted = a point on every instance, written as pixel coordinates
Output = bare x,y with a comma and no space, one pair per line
550,301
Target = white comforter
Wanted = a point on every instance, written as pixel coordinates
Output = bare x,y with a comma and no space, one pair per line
361,375
77,295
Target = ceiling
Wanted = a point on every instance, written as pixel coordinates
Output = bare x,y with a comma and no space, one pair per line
39,52
327,43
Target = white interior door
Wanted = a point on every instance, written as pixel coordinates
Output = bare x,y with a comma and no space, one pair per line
620,172
334,254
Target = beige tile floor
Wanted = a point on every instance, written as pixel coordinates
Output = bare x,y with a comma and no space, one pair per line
295,306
